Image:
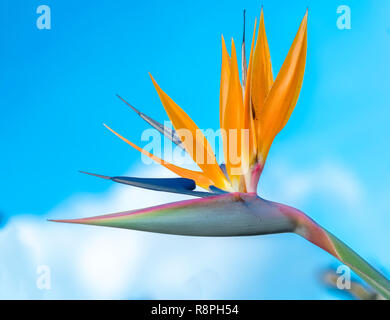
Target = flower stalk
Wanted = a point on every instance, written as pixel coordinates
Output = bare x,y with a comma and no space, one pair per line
313,232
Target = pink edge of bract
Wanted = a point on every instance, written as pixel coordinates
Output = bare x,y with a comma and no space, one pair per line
310,230
166,206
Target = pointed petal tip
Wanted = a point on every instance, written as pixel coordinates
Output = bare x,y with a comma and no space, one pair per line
223,41
151,77
262,13
62,220
130,105
95,175
233,46
157,87
303,25
306,14
114,132
76,221
109,128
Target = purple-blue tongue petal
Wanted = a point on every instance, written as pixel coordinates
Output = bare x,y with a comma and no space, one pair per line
163,184
174,185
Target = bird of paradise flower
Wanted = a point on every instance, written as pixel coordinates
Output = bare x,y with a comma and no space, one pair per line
260,106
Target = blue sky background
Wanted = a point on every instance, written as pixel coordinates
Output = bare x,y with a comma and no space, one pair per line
58,86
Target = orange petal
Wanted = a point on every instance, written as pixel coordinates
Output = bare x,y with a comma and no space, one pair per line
262,78
248,120
225,75
249,155
233,123
195,142
199,177
284,93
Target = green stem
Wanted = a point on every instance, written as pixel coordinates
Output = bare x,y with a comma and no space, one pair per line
314,233
361,267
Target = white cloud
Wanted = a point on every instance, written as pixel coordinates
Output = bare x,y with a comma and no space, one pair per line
330,179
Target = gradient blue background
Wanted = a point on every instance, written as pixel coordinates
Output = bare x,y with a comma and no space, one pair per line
58,86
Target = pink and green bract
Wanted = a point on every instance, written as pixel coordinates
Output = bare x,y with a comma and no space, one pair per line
260,106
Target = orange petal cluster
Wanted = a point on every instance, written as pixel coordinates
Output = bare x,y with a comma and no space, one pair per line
252,113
